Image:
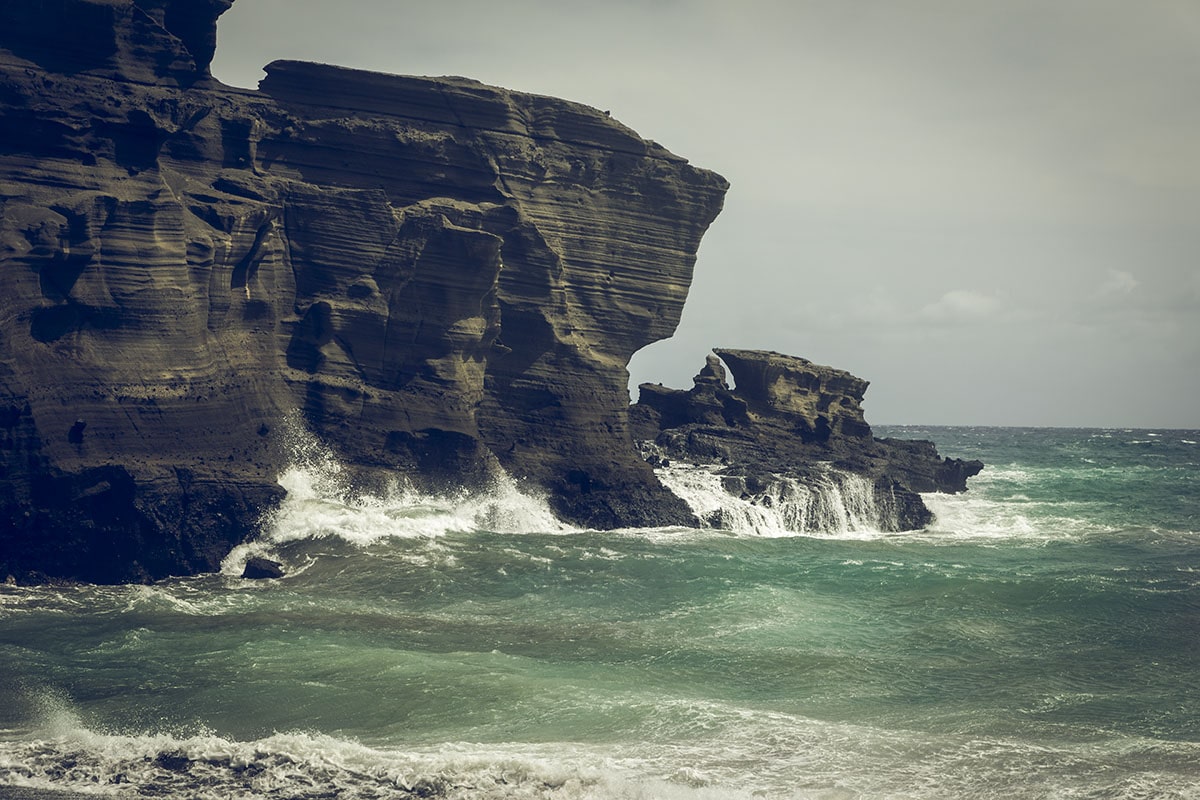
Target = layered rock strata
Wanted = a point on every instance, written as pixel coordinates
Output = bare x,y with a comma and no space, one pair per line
792,420
435,277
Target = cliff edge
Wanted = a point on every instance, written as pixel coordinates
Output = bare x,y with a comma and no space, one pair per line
436,277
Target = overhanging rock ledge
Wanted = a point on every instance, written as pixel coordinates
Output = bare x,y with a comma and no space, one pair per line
434,277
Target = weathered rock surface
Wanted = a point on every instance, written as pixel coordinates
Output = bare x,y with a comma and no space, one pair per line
790,419
436,277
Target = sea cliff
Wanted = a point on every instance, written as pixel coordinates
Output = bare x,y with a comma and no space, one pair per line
439,279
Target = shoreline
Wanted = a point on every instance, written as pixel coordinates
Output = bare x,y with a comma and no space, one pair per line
8,792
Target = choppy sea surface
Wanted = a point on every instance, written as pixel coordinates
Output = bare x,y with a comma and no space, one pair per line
1041,639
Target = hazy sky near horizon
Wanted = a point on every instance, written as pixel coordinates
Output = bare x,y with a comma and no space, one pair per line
990,209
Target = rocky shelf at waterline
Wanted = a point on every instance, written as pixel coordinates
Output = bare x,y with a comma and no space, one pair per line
434,277
792,432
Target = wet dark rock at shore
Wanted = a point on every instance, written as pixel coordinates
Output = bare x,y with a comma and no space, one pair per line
259,568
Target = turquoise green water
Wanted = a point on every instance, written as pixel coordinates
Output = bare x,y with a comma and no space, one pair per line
1042,639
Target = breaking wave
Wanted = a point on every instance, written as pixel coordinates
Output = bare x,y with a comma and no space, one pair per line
1006,504
320,503
797,758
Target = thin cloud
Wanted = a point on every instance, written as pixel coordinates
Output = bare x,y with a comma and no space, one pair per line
962,305
1119,282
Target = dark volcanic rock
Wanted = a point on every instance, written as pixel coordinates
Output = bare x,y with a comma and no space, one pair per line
436,277
258,568
149,41
790,419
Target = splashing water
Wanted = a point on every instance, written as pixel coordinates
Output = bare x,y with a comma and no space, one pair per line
320,504
834,503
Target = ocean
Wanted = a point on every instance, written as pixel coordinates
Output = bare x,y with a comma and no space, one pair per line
1040,640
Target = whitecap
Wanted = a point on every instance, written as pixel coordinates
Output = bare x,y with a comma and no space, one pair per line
320,504
64,755
689,748
975,515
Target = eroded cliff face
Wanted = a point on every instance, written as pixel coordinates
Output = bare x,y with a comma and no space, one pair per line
436,277
790,421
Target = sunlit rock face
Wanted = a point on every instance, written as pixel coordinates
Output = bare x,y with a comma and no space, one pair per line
435,277
825,403
792,421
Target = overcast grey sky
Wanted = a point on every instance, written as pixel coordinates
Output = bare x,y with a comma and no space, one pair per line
989,209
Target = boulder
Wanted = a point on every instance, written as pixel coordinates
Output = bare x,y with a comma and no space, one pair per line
258,568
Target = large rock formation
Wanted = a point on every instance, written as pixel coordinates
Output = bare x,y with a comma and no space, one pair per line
434,276
791,423
437,278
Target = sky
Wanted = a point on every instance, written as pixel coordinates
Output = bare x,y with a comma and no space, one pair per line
990,209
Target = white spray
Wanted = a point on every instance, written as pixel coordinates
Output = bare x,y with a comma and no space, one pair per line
321,503
832,501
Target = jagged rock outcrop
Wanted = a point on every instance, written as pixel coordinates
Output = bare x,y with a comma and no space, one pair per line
790,419
436,277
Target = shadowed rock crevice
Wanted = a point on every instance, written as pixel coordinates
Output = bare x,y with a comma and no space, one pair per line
148,41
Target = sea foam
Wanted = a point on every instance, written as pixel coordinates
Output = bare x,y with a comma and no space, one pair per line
64,755
1001,504
836,504
792,757
321,503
